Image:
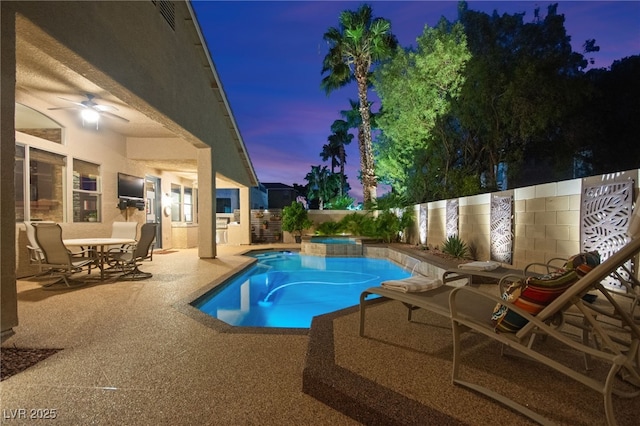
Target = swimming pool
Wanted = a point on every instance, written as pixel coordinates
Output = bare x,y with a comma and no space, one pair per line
285,289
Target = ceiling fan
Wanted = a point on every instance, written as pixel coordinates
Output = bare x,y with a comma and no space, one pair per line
91,111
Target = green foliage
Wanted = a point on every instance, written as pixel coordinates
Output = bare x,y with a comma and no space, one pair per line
417,89
335,150
388,226
391,200
323,185
455,247
523,84
340,203
329,228
295,218
500,89
358,224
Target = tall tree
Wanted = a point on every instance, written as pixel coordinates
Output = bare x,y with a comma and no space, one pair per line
331,151
341,137
323,185
520,86
355,46
417,88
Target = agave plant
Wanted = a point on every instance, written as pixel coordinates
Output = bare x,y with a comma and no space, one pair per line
454,246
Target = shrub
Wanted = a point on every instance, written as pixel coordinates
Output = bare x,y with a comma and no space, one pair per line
329,228
295,219
340,203
455,247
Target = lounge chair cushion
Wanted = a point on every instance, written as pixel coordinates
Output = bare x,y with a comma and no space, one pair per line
531,295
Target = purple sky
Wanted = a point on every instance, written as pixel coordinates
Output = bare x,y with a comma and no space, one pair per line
269,54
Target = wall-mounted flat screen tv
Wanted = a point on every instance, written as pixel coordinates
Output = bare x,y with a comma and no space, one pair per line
130,187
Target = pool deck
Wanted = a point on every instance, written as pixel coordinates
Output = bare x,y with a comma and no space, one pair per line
133,354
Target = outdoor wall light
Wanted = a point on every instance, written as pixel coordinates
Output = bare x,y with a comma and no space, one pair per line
166,200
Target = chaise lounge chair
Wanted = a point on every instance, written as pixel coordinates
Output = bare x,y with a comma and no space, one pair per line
615,348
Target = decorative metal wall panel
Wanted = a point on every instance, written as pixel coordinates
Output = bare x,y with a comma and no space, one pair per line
423,222
605,215
453,215
501,232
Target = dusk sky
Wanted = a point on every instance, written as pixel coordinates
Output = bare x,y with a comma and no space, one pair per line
269,55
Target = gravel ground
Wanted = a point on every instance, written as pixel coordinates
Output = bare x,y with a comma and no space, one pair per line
16,360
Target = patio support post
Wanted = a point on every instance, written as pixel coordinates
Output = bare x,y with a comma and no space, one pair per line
245,215
206,204
8,291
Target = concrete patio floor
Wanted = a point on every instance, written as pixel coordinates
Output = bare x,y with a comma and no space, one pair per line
131,356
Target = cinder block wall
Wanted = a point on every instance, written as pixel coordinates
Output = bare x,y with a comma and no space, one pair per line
437,222
474,223
546,220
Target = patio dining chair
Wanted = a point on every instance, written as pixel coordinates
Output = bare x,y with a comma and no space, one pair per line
59,260
119,229
127,259
36,257
127,230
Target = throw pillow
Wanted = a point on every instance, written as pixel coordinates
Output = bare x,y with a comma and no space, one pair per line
532,295
582,263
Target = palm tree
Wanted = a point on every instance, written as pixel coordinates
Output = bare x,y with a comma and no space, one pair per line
341,137
358,43
322,184
331,151
354,121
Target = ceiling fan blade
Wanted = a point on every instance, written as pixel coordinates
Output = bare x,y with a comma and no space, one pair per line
108,114
53,109
73,102
105,108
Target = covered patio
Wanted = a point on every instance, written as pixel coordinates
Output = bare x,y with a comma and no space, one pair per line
163,117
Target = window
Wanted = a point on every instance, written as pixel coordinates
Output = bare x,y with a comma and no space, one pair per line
223,205
188,205
176,203
40,192
34,123
19,183
86,191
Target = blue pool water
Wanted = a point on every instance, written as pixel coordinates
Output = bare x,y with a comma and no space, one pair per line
288,289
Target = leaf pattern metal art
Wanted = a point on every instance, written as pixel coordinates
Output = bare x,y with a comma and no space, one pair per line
452,217
606,212
501,232
423,222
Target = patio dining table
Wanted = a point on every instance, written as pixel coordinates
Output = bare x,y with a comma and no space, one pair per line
95,243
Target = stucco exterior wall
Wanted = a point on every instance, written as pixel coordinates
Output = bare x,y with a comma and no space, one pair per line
8,291
155,74
156,66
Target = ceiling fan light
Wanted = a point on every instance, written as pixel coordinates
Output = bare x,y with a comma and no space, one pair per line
90,115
